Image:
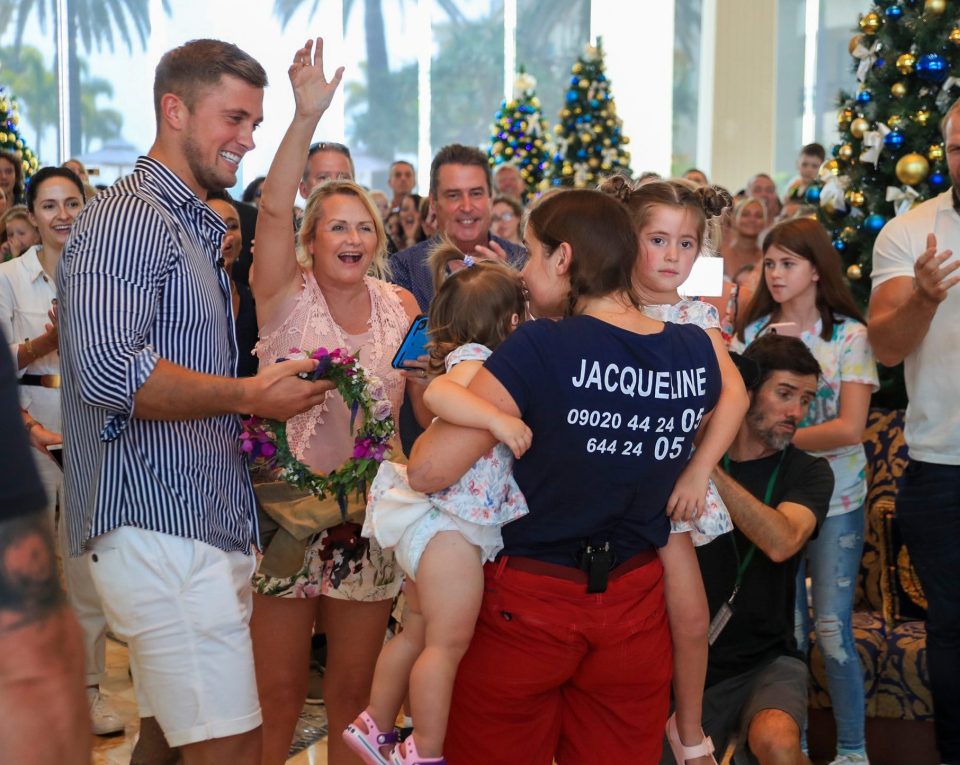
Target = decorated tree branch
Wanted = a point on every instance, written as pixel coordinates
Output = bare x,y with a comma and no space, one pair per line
11,139
589,137
520,136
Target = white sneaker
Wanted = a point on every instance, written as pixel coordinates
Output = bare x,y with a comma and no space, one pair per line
851,759
104,718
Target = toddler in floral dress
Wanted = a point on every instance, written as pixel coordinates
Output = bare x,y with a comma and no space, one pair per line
442,540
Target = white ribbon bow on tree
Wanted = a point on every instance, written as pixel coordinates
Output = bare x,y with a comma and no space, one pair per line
524,83
873,144
831,195
944,99
867,56
902,198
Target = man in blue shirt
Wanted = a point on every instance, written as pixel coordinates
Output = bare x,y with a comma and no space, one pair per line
158,493
460,194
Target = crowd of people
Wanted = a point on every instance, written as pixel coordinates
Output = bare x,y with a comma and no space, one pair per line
613,513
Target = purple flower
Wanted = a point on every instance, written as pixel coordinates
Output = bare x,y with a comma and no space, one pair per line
382,410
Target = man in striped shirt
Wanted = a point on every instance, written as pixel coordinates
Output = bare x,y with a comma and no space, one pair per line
158,493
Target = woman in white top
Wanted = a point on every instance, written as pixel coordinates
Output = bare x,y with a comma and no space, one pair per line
28,296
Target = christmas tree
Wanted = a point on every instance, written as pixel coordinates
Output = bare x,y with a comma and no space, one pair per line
520,135
590,138
10,138
890,156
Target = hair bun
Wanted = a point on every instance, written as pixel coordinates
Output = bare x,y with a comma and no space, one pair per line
714,199
618,186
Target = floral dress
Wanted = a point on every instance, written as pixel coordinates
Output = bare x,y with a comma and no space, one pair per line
485,498
715,519
339,563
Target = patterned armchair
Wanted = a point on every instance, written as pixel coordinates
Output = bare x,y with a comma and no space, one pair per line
890,606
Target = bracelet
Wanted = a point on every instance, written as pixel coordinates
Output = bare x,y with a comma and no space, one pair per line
28,344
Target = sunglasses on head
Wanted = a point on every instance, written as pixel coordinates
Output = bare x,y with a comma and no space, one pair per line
328,146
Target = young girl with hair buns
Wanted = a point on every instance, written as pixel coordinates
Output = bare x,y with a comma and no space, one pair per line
441,541
671,219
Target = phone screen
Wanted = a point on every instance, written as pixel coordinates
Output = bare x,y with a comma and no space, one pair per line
414,343
56,451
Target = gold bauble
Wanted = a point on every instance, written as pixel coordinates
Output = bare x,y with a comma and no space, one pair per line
848,233
508,151
611,123
871,22
607,142
832,166
606,165
844,116
558,129
906,62
936,7
854,272
625,140
583,84
912,168
578,110
3,137
922,117
893,120
854,42
586,139
954,36
567,170
898,90
854,198
845,152
935,152
593,162
858,127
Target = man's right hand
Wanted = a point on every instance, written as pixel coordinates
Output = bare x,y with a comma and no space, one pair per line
931,277
276,393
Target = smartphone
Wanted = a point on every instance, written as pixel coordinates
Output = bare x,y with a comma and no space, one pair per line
56,451
414,343
787,328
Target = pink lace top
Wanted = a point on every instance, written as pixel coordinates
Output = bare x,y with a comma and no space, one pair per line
308,325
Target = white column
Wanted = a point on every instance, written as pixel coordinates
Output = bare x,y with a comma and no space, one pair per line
708,53
424,58
811,29
509,47
63,84
638,38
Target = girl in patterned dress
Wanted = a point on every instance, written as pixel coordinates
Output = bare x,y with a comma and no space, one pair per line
441,541
671,221
803,294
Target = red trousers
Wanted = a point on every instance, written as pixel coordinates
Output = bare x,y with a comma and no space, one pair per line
556,673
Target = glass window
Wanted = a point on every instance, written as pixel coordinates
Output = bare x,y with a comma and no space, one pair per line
686,84
550,37
466,73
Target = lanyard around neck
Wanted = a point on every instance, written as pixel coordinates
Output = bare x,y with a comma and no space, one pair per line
767,498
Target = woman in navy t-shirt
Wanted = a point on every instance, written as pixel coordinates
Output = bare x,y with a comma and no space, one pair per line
571,657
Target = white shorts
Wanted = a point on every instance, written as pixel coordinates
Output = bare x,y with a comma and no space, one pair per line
183,608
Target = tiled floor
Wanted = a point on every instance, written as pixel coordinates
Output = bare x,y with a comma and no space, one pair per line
115,750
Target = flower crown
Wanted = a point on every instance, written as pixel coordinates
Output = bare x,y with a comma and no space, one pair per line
264,442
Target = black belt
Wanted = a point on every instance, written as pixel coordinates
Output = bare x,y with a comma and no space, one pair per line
41,381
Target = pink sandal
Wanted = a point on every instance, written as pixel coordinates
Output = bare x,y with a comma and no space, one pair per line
410,755
683,753
366,745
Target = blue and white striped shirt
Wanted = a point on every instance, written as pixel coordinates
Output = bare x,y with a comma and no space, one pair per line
140,280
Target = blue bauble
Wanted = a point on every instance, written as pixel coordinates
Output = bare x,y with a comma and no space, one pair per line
812,195
893,140
839,245
893,13
873,223
879,63
864,97
594,103
575,80
932,67
938,180
835,150
571,95
582,154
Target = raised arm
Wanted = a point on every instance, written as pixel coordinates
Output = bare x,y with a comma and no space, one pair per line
276,273
902,308
445,452
689,493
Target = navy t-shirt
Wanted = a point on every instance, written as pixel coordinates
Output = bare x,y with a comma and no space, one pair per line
613,415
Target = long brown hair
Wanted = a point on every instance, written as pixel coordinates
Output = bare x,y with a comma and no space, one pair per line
805,238
600,233
473,305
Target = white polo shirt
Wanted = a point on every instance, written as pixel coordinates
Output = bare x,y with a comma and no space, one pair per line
932,371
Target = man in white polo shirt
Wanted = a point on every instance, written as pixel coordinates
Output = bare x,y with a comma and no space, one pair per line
915,318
